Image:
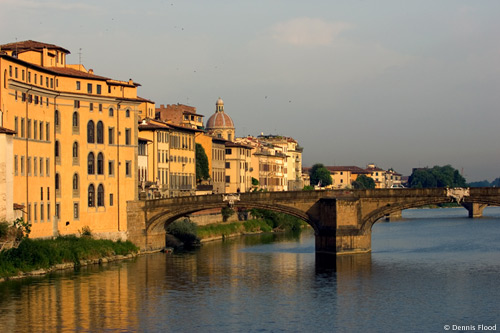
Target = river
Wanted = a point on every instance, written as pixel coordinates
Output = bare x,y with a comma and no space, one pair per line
434,268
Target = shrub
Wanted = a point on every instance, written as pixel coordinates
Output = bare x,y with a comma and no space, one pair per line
184,230
4,229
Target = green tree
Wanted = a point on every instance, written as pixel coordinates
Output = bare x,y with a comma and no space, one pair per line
255,181
320,174
201,163
438,176
363,182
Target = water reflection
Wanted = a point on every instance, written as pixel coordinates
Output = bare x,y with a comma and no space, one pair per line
421,275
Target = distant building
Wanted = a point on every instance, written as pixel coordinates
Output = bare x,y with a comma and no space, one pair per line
180,114
238,166
378,175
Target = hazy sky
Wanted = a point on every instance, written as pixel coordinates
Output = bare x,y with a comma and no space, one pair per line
398,83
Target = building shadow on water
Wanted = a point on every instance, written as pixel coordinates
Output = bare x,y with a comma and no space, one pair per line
351,264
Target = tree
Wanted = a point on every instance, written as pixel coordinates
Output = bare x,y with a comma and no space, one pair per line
445,176
320,175
363,182
201,163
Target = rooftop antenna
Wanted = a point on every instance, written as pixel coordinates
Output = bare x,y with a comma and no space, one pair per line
80,58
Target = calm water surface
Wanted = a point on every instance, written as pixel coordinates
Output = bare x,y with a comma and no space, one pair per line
434,268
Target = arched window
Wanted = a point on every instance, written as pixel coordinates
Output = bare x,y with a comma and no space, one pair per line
76,119
100,132
56,118
111,112
100,164
100,195
91,163
58,182
57,149
75,149
91,195
127,113
76,182
90,132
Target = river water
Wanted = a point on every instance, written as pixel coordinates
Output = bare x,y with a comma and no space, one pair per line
434,268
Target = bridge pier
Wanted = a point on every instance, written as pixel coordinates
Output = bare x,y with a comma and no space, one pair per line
475,209
338,228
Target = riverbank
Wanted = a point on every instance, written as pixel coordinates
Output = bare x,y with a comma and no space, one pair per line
41,256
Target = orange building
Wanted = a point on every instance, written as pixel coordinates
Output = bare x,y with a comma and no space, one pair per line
75,147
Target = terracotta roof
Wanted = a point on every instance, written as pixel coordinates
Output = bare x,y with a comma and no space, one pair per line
350,168
75,73
31,45
235,144
7,131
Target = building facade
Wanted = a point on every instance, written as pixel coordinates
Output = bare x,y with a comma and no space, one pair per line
75,147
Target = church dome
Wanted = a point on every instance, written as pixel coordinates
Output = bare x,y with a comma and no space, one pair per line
219,120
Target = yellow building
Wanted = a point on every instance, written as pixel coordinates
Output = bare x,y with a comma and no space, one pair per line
344,176
238,167
154,135
171,166
378,175
75,150
215,149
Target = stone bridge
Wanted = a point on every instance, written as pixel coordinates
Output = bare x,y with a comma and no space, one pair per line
342,219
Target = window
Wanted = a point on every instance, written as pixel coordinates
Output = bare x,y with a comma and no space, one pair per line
98,89
228,151
22,127
28,166
41,167
75,211
91,164
100,132
41,130
100,164
48,211
57,182
91,195
111,199
100,107
111,168
42,211
228,165
57,121
111,135
16,129
127,136
228,179
41,193
75,149
47,131
90,132
89,88
47,167
111,112
76,182
76,121
15,165
100,196
128,168
28,129
91,107
77,85
58,211
127,113
57,152
76,104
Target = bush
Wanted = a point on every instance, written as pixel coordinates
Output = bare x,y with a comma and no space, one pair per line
184,230
35,254
4,229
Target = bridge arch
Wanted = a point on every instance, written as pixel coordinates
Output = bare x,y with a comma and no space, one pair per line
369,220
162,219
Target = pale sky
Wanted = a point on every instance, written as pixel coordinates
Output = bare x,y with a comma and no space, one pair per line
398,83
